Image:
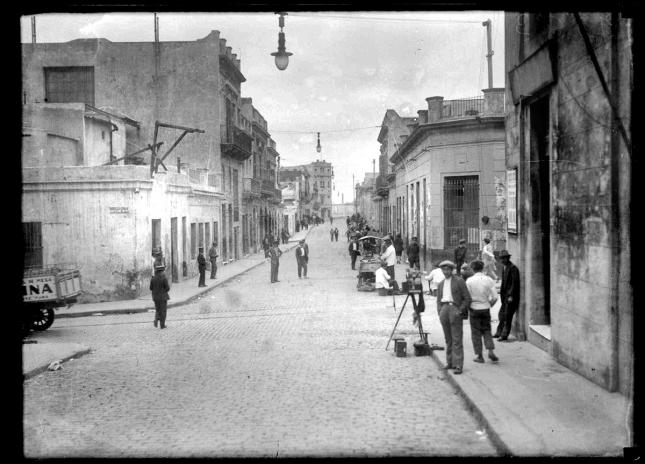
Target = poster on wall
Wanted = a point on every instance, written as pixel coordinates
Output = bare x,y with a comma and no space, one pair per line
511,203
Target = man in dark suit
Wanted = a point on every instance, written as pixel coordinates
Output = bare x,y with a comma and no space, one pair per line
160,288
353,250
301,259
201,266
274,256
453,301
510,295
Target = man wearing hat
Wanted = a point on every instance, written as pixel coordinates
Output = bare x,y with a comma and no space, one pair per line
353,250
413,253
453,301
160,288
274,256
301,258
460,254
201,264
510,295
389,256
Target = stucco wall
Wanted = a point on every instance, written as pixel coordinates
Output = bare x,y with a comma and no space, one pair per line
584,272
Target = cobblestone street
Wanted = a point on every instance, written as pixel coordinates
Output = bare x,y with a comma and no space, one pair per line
295,368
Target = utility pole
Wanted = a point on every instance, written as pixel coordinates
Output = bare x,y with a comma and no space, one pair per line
33,29
488,25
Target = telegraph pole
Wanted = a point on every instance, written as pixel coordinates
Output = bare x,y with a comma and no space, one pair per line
488,25
33,29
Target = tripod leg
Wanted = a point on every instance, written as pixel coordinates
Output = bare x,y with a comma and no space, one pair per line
397,322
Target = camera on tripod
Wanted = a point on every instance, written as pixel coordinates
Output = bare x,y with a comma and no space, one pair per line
412,283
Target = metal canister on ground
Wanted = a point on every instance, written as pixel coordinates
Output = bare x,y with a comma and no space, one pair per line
400,348
421,349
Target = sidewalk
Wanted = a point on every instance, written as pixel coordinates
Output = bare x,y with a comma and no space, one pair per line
180,292
529,404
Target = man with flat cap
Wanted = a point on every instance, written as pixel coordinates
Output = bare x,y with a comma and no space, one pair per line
510,295
453,301
301,258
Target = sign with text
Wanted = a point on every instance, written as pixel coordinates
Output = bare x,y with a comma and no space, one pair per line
40,288
119,210
511,202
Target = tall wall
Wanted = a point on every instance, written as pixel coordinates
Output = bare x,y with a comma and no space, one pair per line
589,180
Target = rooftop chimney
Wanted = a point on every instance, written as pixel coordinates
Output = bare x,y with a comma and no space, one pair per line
423,116
493,101
435,108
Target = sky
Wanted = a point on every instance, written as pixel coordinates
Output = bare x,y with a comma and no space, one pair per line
347,69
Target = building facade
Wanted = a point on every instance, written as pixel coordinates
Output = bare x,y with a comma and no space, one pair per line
569,84
323,179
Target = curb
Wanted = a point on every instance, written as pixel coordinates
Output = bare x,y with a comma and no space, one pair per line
494,437
148,307
39,370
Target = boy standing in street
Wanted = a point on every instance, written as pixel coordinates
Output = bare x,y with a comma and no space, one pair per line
212,255
274,255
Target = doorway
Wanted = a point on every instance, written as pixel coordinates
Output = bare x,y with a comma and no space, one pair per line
540,184
461,212
173,250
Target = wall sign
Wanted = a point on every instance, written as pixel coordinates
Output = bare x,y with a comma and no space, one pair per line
119,210
511,202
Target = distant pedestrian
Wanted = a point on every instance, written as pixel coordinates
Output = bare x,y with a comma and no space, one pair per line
390,257
274,255
510,295
157,257
353,250
483,297
160,288
301,259
460,254
285,236
413,253
331,220
398,248
347,234
331,234
201,264
266,244
453,301
434,278
336,233
212,255
488,257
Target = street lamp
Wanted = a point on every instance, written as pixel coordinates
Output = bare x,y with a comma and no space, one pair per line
282,55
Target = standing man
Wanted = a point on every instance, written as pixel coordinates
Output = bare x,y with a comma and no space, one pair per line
212,255
160,288
389,256
274,254
460,255
285,236
301,259
488,257
483,294
331,234
413,253
353,250
398,247
201,264
453,301
336,233
510,294
266,243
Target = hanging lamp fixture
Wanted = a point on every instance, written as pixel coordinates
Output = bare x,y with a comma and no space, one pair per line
282,55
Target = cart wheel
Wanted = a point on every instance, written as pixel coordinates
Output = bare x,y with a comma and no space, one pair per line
43,319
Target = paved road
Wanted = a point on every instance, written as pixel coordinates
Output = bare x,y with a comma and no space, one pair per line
295,368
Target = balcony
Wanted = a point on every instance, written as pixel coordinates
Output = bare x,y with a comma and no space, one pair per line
268,189
462,107
251,188
236,143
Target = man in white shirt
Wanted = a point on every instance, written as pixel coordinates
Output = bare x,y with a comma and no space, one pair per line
434,279
488,258
389,256
483,296
383,284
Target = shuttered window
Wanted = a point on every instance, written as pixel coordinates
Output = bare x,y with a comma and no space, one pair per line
461,211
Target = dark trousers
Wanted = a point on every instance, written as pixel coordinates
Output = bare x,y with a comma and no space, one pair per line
354,255
302,267
480,327
390,271
213,268
505,317
453,332
274,271
414,261
160,311
202,278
